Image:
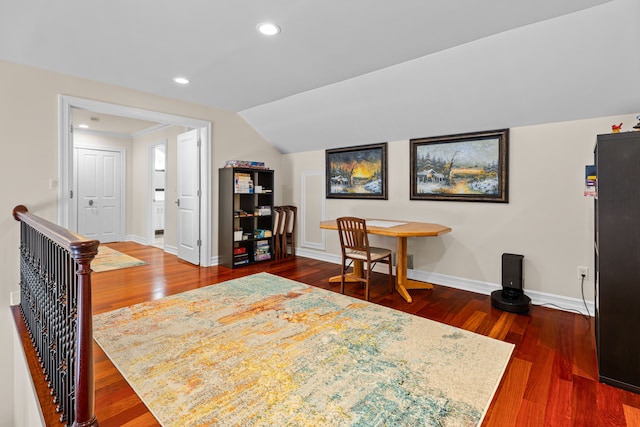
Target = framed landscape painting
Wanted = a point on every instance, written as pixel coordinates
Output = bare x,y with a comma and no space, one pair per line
466,167
357,172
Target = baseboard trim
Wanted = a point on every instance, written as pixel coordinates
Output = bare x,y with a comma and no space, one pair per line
14,298
554,301
136,239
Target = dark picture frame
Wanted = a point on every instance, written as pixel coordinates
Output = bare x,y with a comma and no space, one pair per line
358,172
471,167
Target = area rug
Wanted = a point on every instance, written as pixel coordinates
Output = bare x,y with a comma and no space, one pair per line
267,351
110,259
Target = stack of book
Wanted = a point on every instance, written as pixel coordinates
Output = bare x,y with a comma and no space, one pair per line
244,164
241,213
262,211
262,250
243,183
240,256
260,233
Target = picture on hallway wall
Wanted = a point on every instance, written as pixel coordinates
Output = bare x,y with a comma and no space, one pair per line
470,167
357,172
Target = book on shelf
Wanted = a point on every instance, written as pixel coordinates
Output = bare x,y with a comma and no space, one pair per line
259,233
263,250
243,183
244,164
244,190
263,211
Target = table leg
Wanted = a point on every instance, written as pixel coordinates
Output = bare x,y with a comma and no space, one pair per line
358,271
402,282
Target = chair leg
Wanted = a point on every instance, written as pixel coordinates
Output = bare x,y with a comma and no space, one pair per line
366,286
342,273
390,276
283,246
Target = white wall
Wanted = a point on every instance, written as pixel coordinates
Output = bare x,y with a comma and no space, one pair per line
27,407
29,145
547,219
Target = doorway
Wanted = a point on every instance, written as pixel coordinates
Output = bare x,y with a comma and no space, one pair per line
157,181
67,206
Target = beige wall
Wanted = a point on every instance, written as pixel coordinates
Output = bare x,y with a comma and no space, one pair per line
29,145
547,219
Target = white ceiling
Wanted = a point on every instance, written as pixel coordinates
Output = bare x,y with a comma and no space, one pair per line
116,126
348,72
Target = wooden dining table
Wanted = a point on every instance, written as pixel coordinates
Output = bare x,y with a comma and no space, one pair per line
401,230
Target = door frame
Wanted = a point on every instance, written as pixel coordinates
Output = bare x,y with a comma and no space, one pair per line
65,157
123,175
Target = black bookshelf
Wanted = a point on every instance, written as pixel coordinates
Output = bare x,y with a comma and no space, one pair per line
617,259
245,224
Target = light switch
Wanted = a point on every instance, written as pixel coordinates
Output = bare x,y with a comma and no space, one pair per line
53,184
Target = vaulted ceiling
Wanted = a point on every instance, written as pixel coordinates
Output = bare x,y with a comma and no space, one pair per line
351,72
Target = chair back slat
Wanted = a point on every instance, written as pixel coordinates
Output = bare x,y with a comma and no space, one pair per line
353,234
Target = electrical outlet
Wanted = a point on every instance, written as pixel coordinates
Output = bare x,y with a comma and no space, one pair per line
409,261
583,271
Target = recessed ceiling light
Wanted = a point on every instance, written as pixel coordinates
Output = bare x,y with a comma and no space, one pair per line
181,80
83,126
268,29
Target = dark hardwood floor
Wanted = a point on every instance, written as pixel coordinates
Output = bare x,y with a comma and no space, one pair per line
551,379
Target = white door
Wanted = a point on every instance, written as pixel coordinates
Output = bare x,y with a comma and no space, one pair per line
188,232
99,198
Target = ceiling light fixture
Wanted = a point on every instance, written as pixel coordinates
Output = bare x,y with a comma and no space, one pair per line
268,29
181,80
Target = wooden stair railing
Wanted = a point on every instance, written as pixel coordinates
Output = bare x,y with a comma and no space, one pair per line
55,303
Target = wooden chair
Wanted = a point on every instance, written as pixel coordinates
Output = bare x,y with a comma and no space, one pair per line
289,237
354,242
279,224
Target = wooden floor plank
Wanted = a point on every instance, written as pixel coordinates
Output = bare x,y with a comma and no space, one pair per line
550,380
506,404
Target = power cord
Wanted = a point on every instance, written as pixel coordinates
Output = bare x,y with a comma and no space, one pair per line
582,290
584,301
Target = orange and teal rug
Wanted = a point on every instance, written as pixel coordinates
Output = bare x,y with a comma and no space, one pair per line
267,351
110,259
